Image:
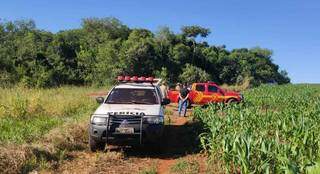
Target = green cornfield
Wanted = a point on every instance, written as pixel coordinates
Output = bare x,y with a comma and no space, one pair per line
276,130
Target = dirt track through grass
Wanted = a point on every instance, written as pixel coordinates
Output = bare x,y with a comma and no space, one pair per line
180,142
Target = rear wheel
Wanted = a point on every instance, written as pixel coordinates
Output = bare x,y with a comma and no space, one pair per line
96,145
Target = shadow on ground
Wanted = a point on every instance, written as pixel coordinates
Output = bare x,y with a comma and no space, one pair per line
178,141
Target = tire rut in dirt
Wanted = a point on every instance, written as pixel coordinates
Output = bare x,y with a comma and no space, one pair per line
178,140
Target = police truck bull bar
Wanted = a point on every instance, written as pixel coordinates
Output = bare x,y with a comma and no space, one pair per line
115,121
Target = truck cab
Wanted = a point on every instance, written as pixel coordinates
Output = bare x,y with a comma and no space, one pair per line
131,113
204,93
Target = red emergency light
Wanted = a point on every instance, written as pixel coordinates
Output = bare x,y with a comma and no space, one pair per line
127,78
120,78
149,79
135,79
142,79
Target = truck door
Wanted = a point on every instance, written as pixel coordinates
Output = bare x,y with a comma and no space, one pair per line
197,95
213,94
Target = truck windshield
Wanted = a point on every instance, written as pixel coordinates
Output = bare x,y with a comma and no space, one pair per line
132,96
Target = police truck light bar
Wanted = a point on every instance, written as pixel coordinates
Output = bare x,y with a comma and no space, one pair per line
135,79
126,78
142,79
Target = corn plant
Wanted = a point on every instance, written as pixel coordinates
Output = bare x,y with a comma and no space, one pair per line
275,130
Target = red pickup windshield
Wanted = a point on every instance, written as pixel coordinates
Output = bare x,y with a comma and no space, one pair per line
132,96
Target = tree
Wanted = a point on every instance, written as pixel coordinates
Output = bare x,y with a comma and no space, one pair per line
108,65
102,28
229,70
195,31
164,39
103,48
63,56
181,53
137,54
192,32
192,74
163,74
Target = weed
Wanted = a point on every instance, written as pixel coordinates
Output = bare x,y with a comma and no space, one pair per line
150,170
314,169
12,159
186,167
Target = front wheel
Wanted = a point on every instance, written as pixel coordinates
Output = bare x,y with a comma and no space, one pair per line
96,145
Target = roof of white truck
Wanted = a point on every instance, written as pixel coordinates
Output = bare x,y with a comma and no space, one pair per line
136,85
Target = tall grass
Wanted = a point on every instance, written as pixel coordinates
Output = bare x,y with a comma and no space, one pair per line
276,130
27,114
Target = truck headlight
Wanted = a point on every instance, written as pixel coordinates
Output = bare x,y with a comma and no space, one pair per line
155,120
99,120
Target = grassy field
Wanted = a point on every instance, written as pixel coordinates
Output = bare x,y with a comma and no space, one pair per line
27,114
39,126
276,130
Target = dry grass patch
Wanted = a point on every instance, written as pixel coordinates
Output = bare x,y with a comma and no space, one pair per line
68,137
186,166
117,163
24,159
12,159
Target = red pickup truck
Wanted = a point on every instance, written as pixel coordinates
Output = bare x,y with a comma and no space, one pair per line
208,92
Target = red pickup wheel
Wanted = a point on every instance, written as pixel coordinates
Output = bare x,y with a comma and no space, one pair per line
232,100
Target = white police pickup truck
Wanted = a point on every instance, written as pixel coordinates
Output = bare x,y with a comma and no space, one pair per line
131,113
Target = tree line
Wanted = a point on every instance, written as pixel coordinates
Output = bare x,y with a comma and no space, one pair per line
103,48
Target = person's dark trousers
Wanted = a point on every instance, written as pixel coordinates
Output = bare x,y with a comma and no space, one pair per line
182,107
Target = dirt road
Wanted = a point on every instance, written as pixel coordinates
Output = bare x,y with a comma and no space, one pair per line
179,145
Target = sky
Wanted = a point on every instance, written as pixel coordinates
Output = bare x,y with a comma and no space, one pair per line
291,28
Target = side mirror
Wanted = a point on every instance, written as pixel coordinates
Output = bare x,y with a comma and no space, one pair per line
99,100
220,91
165,101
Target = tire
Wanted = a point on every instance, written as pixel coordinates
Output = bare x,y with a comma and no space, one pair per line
231,101
96,145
